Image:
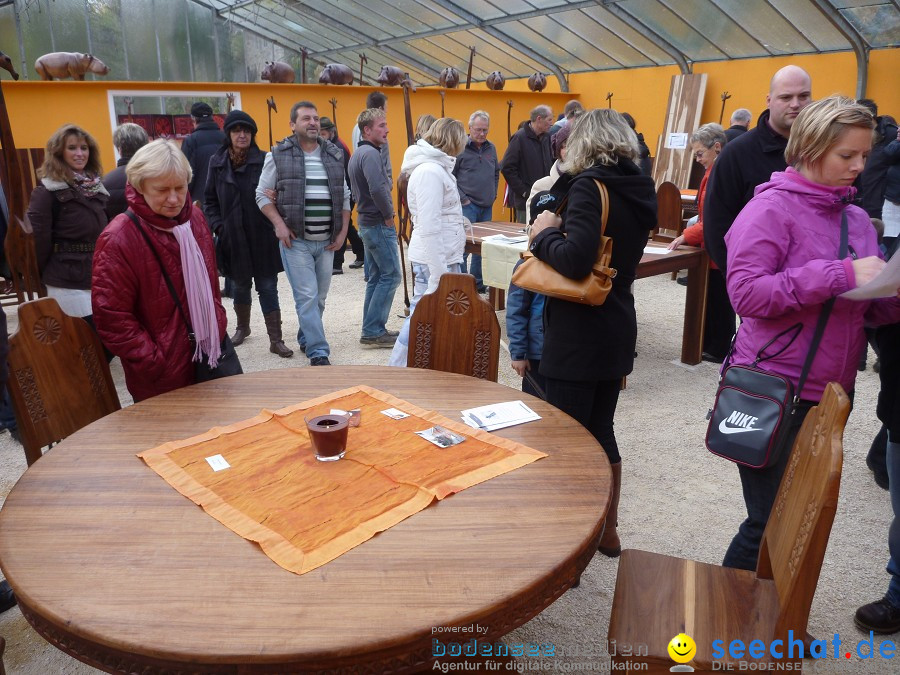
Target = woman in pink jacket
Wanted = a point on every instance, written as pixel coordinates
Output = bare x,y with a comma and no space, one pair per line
783,266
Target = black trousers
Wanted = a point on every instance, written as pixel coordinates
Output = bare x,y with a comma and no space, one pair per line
356,245
593,404
720,317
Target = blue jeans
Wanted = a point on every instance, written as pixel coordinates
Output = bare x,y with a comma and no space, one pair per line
420,285
383,258
893,468
266,289
308,268
760,488
476,214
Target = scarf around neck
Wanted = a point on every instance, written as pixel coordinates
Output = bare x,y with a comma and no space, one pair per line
87,184
201,304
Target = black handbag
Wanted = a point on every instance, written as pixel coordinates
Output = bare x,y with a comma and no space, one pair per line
750,421
228,363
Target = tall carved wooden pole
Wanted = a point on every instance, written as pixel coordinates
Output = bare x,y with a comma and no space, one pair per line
404,225
725,97
509,107
609,96
333,103
362,60
442,102
304,52
270,104
469,73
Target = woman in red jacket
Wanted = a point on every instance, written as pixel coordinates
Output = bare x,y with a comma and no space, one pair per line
706,144
134,309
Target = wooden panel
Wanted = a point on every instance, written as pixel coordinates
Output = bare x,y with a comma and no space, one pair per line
682,117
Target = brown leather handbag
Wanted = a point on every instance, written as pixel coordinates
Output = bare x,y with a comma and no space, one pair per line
539,277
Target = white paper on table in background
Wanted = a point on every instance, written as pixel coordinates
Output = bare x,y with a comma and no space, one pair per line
500,415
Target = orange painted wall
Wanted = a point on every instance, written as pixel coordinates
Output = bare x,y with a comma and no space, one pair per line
37,109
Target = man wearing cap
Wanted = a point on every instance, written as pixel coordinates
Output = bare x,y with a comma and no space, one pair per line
310,219
372,190
328,131
200,145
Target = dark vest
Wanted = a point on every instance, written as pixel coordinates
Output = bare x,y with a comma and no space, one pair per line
290,183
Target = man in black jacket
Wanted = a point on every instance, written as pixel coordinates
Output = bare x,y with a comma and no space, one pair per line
751,158
873,179
740,122
200,146
528,157
128,139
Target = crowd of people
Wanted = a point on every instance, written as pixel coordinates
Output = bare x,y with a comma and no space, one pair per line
134,253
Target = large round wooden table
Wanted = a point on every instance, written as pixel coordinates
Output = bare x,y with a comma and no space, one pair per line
116,568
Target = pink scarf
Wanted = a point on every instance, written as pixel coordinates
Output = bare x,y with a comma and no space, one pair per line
201,305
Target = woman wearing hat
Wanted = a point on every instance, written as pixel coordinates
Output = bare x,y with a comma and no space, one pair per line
247,249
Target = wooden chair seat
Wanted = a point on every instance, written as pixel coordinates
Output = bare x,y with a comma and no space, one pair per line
673,595
455,330
59,380
669,223
657,596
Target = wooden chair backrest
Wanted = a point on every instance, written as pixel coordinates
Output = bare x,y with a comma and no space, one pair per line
22,260
455,330
794,542
59,380
668,211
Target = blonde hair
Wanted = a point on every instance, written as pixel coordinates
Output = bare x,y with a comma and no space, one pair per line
55,167
819,126
155,160
368,117
423,124
447,135
599,136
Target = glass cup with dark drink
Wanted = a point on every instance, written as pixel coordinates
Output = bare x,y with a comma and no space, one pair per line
328,435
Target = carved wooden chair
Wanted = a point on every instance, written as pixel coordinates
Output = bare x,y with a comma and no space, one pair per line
657,596
59,379
455,330
668,213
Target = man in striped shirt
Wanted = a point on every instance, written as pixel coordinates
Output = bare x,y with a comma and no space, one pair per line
310,215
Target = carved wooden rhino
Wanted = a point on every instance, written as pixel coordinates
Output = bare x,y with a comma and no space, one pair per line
495,81
449,78
61,65
537,82
6,64
278,72
336,73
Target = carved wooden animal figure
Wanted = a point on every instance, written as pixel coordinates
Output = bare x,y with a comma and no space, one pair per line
390,76
495,81
6,64
61,65
336,73
449,78
537,82
278,72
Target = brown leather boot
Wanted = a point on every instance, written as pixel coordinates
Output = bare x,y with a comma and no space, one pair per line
610,546
242,330
273,326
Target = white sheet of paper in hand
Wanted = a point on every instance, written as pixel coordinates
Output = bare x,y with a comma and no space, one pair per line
884,285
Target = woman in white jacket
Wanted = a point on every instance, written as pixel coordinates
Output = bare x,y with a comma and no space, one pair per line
439,228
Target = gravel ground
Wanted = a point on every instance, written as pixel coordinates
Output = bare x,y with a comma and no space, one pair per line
677,499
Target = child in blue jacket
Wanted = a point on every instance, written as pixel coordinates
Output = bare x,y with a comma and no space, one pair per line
525,330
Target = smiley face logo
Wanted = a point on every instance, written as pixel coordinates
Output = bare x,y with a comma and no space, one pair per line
682,648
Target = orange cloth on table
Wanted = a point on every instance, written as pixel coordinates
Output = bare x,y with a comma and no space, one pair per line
304,513
693,235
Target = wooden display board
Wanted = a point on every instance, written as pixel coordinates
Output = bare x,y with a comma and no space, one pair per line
673,154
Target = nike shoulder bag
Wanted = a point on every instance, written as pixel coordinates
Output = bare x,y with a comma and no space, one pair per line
750,420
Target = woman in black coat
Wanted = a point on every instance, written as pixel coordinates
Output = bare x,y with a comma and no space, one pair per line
247,249
588,350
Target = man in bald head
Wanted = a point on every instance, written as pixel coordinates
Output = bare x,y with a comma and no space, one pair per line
750,159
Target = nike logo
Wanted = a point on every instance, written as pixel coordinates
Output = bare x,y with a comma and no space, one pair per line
733,430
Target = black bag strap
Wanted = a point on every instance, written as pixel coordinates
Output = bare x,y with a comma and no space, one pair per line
165,274
823,315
